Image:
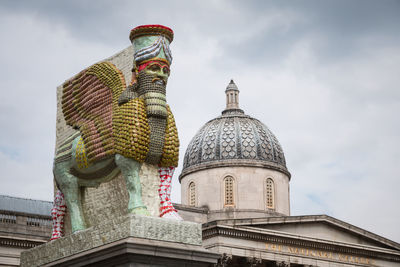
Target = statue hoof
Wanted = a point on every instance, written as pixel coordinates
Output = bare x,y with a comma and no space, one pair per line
140,211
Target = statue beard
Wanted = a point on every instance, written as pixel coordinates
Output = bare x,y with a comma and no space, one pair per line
152,89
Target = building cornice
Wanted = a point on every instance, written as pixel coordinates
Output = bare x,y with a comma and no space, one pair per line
191,208
31,215
283,238
19,243
234,163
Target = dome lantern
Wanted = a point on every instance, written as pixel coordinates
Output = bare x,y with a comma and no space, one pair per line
232,99
232,96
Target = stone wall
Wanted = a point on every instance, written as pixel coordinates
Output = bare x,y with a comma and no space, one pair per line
249,189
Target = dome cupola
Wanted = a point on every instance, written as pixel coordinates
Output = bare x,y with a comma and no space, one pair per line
235,167
234,138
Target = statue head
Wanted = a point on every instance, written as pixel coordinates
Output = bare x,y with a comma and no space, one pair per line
152,60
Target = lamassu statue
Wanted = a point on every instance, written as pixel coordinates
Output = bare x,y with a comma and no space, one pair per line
119,128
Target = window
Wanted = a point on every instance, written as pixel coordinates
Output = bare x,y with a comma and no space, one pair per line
228,185
270,194
192,194
5,218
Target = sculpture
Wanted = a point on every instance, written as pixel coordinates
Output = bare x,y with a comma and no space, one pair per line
119,127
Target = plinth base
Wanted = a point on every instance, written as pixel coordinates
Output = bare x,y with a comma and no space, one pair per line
127,241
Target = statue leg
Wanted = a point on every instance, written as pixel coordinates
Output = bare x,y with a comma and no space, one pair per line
68,184
57,214
130,169
167,210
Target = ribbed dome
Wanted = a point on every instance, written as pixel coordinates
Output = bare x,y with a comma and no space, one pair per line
234,139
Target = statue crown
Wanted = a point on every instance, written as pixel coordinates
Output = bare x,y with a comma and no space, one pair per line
151,29
151,42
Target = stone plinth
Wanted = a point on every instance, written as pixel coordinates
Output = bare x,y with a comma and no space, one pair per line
123,241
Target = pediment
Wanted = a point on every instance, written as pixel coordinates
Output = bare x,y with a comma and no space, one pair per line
319,227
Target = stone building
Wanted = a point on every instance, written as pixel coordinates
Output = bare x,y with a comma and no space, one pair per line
235,182
24,224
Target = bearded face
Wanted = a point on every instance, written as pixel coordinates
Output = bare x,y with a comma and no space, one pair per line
152,81
151,84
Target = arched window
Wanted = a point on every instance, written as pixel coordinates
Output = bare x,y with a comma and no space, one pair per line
229,192
192,194
270,194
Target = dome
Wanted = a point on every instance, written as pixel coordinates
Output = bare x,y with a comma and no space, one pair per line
234,139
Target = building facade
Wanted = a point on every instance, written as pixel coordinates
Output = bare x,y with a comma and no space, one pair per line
235,182
24,224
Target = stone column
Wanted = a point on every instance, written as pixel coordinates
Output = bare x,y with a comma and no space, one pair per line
253,261
282,264
224,260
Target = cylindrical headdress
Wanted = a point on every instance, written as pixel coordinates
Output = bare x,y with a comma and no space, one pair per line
151,42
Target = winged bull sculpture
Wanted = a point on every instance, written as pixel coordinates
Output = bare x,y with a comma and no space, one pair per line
118,129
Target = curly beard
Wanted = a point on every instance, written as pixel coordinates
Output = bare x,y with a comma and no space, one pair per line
152,89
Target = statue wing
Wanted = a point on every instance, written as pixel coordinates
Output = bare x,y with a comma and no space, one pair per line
170,154
88,102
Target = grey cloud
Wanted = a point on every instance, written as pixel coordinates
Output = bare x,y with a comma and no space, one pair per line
338,29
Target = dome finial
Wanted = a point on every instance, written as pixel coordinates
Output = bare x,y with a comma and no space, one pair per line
232,96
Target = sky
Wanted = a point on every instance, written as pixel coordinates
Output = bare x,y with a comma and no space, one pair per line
322,75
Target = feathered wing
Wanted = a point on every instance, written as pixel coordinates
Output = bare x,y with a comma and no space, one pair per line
88,102
170,154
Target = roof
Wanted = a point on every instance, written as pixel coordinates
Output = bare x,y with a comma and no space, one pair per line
31,206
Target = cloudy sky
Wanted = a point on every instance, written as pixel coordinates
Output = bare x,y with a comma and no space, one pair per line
323,75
